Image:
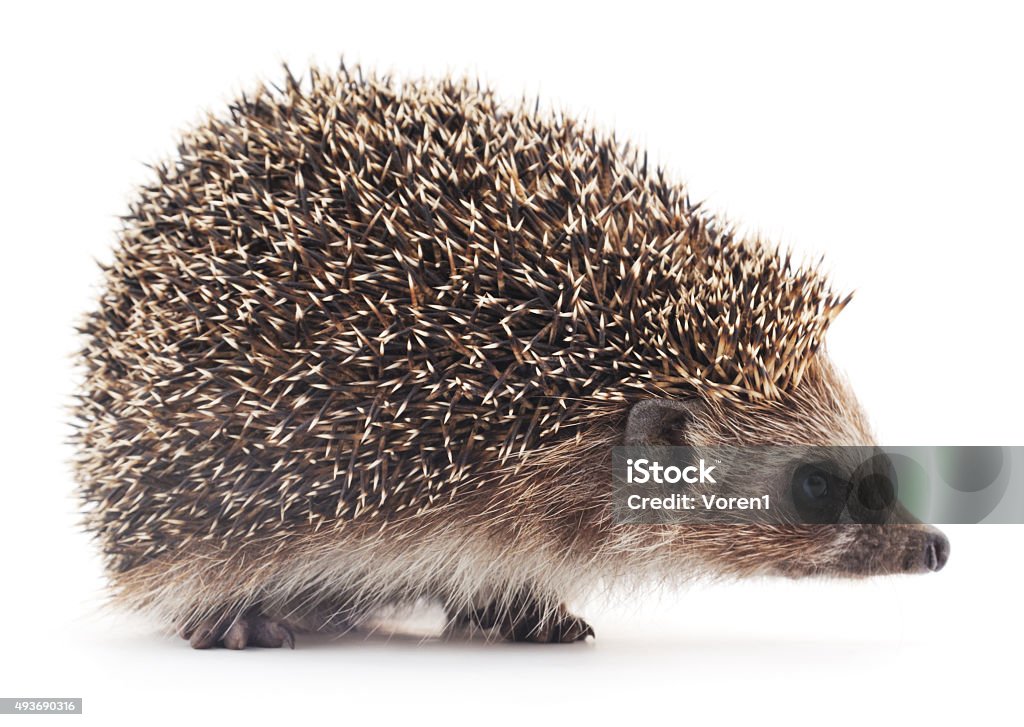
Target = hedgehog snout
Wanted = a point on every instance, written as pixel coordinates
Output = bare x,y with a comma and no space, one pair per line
936,550
925,552
894,548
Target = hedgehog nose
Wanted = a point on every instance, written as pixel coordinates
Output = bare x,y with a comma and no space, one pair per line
936,551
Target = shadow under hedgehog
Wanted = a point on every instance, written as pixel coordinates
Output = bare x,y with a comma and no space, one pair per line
365,343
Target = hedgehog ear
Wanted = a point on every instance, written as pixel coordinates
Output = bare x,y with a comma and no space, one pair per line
652,421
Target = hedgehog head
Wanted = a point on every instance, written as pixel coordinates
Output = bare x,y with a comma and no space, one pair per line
802,447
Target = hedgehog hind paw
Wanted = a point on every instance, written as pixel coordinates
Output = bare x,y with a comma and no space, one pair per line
247,630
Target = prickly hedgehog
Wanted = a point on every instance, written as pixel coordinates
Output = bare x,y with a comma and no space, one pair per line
365,343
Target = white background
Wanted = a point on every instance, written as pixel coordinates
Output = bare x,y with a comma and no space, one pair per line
886,137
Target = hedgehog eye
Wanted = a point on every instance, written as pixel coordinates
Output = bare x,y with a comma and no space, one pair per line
818,492
813,482
815,485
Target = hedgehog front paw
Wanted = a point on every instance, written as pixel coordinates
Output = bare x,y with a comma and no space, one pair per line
250,629
562,628
527,621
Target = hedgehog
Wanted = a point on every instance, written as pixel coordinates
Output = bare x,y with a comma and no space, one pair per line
366,343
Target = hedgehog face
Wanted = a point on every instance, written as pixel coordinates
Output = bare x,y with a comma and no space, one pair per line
824,538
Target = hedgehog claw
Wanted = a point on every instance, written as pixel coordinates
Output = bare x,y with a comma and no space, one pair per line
572,628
